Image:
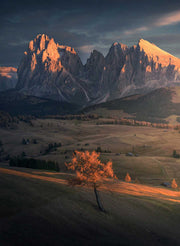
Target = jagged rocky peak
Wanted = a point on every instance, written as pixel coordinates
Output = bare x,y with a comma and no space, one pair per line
51,70
67,48
150,48
158,55
95,58
116,57
39,43
119,45
47,50
44,53
94,66
96,54
117,50
43,42
55,71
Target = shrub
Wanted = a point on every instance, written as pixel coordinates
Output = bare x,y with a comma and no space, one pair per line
34,141
98,150
174,184
52,147
175,154
127,178
23,154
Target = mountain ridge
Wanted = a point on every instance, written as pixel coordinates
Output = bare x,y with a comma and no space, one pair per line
158,106
55,71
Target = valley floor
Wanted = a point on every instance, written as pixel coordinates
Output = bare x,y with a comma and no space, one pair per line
37,207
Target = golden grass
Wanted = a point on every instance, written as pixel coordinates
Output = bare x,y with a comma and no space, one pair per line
43,212
117,186
153,166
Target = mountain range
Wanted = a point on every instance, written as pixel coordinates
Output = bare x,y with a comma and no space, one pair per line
55,72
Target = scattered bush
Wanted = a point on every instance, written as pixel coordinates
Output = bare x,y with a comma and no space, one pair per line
174,184
175,154
98,150
52,147
34,141
127,178
136,181
23,154
25,141
7,121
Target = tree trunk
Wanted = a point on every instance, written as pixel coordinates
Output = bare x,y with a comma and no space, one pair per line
98,199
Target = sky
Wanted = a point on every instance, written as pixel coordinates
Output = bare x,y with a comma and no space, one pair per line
87,24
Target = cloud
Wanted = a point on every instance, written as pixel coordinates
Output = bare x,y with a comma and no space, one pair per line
84,25
169,19
19,43
136,30
167,39
86,48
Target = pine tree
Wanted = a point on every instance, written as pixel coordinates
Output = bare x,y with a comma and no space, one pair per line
174,184
127,178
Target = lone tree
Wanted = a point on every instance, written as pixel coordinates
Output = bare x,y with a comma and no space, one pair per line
90,171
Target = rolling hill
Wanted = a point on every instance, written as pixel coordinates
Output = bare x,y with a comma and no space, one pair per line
16,103
154,106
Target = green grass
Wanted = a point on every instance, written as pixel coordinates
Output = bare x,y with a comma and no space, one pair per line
18,194
46,213
154,146
39,212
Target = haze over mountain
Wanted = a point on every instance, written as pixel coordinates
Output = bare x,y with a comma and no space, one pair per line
55,71
8,78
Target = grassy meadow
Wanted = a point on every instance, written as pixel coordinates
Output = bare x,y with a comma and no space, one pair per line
37,207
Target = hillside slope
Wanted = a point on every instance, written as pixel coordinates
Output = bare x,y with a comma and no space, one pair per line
59,215
17,103
153,106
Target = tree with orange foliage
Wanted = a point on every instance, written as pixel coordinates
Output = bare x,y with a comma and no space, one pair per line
90,171
174,184
128,178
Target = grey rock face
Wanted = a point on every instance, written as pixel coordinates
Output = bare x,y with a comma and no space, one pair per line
145,67
52,71
138,69
94,66
55,71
